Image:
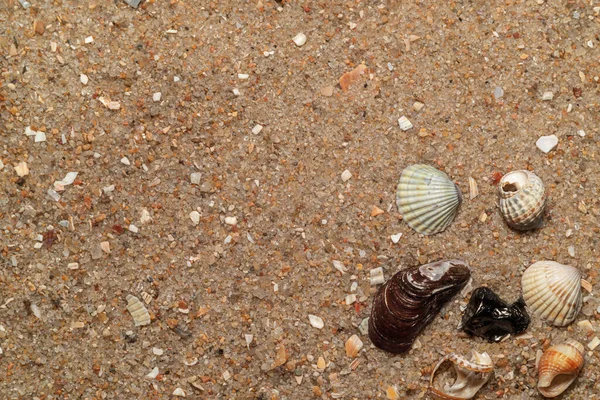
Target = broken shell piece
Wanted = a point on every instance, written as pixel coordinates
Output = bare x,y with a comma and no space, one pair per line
410,300
353,346
111,105
22,169
404,123
522,199
552,291
559,366
470,376
179,392
376,276
315,321
138,311
473,191
153,374
350,77
299,39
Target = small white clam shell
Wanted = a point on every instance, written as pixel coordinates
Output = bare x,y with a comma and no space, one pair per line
427,199
522,199
138,311
553,291
559,366
471,375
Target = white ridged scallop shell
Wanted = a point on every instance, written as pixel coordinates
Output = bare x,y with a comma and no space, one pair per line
138,311
522,199
427,199
559,366
553,291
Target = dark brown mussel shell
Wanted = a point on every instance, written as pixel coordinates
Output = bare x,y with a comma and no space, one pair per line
407,303
491,318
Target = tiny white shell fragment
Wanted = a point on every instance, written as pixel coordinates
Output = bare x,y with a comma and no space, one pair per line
22,169
376,276
125,161
353,346
248,339
156,97
29,131
236,92
105,246
226,375
73,265
340,266
195,178
171,31
157,352
594,343
315,321
89,40
300,39
547,143
179,392
145,216
153,374
404,123
354,286
36,311
243,76
571,251
257,128
40,137
418,106
84,79
138,311
547,96
53,47
396,238
350,299
473,191
66,181
581,133
346,175
231,220
195,217
132,228
586,325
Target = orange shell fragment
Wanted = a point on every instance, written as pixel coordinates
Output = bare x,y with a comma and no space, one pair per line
350,77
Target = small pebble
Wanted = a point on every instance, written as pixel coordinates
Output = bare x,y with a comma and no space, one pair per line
498,92
125,161
547,143
132,228
376,276
340,266
299,39
350,299
404,123
179,392
346,175
571,251
581,133
22,169
594,343
315,321
396,238
327,91
243,76
195,217
89,40
195,178
84,79
156,97
231,220
547,96
236,92
257,128
418,106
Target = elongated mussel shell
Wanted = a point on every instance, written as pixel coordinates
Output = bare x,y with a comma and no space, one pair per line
407,303
559,366
522,199
553,291
471,375
427,199
490,317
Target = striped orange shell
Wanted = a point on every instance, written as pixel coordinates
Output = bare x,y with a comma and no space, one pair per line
559,366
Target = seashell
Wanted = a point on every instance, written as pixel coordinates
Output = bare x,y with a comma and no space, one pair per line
471,375
409,301
353,346
138,311
427,199
553,291
559,367
490,317
522,200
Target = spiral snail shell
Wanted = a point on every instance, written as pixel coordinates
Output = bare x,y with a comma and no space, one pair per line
559,366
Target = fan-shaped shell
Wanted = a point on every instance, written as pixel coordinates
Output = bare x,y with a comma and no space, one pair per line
427,199
522,199
471,375
553,291
410,300
559,366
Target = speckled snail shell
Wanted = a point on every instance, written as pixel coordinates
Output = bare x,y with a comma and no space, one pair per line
559,366
471,375
409,301
522,199
427,199
552,291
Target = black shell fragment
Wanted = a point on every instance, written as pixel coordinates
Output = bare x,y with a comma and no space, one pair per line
407,303
491,318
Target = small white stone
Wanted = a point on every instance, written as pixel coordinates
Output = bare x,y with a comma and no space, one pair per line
157,352
89,39
243,76
594,343
396,238
547,143
171,31
315,321
84,79
257,128
231,220
590,44
227,239
36,311
179,392
236,92
156,97
547,96
73,265
299,39
153,374
22,169
340,266
376,276
145,216
354,286
418,106
53,47
29,131
195,217
248,339
350,299
226,375
404,123
195,178
125,161
571,250
346,175
581,133
40,137
133,228
569,108
176,79
569,233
